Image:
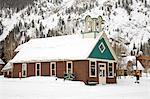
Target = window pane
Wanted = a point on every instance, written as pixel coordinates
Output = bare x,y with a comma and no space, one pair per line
69,70
53,66
110,73
92,68
38,72
92,63
110,69
103,73
110,64
24,73
53,72
69,65
101,65
38,66
100,73
92,71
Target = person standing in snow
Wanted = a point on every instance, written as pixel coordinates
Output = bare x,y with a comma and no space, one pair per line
137,75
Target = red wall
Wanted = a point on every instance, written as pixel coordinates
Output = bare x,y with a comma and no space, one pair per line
111,80
60,69
80,69
45,69
30,69
16,69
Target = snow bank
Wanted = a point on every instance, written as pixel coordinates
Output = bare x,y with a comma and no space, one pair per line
49,87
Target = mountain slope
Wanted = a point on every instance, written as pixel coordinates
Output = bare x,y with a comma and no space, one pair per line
125,20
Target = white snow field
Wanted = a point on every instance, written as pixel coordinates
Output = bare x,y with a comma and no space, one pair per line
50,88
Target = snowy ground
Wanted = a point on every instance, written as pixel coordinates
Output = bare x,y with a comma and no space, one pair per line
48,87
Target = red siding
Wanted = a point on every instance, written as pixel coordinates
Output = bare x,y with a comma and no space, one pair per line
60,69
80,69
17,67
30,69
111,80
45,69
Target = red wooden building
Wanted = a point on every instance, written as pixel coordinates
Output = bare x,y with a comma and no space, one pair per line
88,56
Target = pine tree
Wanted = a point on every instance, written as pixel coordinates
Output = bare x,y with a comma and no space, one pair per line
41,27
32,23
131,2
116,5
145,3
134,46
149,41
73,30
20,24
37,33
141,47
119,2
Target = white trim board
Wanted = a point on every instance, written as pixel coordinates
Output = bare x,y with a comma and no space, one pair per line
104,60
67,66
112,70
24,68
39,69
90,68
51,68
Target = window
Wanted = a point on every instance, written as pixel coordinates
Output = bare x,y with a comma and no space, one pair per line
53,69
24,70
102,47
38,69
110,69
97,26
69,67
92,69
101,73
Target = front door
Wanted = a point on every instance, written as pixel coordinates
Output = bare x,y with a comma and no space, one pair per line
102,73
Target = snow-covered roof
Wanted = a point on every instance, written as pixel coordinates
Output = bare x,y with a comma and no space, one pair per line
68,47
1,61
7,67
125,61
130,58
139,66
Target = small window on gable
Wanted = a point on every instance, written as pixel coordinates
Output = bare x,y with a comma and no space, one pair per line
110,70
69,67
102,47
92,68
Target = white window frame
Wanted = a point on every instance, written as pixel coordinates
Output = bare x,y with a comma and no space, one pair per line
71,66
51,68
24,67
39,69
90,69
112,70
103,46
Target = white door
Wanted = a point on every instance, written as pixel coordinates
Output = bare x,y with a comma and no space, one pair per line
102,73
